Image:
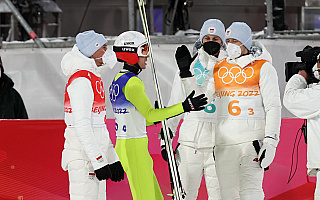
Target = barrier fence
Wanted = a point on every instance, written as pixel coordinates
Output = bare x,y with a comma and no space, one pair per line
30,154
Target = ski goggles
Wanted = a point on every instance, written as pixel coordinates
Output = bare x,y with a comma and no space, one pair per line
143,50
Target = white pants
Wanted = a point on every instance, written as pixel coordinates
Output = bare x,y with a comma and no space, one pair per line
192,167
83,184
239,173
317,191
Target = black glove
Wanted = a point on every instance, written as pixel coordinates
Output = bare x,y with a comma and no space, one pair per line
116,171
103,173
194,103
164,153
184,61
156,106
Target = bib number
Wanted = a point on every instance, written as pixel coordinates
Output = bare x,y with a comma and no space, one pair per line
124,127
235,110
211,108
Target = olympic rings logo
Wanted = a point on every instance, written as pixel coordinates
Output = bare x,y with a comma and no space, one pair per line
114,92
235,73
100,89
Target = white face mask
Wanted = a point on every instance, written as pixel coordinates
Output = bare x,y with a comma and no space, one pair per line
109,59
315,71
233,50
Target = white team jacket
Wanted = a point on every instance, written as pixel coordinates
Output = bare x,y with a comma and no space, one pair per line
305,103
236,131
83,140
178,94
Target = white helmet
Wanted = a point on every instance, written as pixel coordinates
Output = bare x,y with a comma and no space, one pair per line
129,46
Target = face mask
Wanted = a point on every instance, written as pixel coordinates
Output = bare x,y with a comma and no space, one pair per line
211,47
109,59
315,71
233,50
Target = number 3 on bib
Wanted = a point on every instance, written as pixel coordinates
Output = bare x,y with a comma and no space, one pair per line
235,110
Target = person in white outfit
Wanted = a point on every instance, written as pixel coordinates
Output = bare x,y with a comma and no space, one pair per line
197,132
303,101
88,155
245,85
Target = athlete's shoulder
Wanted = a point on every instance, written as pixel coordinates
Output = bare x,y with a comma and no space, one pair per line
81,76
135,81
221,61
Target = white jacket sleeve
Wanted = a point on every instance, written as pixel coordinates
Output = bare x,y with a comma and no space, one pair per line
269,89
209,90
178,95
207,87
301,101
81,100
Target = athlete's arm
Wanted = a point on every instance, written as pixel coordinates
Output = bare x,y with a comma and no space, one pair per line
269,89
81,100
191,83
134,91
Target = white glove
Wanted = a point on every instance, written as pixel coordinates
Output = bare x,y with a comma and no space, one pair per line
267,152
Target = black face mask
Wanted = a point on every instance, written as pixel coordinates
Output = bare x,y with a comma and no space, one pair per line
211,47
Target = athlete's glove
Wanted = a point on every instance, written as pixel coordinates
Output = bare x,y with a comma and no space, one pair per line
194,103
117,172
103,173
156,106
176,153
267,152
163,146
184,60
164,153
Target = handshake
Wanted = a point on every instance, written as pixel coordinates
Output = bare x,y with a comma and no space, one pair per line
113,171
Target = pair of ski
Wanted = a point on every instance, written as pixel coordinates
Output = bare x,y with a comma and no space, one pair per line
176,187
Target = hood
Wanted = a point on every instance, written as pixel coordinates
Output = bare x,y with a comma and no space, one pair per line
74,61
257,52
208,61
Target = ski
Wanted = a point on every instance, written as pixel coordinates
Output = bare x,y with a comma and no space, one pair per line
176,186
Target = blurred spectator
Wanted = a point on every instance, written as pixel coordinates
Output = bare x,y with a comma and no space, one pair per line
11,103
279,15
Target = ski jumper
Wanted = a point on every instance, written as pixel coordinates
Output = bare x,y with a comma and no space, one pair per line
132,108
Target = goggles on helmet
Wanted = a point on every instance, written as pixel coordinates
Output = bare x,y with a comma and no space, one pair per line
143,50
